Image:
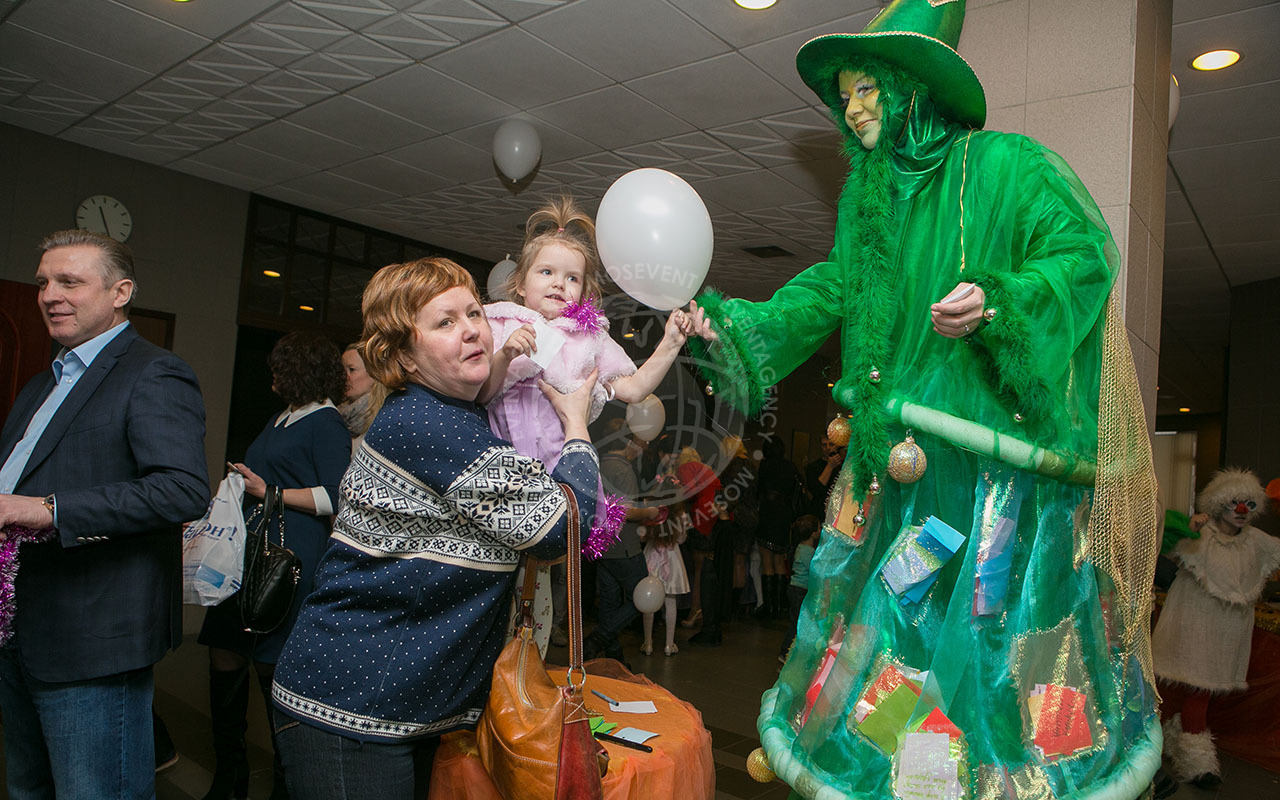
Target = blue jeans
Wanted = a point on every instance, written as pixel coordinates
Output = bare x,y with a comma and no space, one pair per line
82,740
319,765
616,580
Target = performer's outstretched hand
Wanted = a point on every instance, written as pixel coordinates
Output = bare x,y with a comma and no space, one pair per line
698,323
959,313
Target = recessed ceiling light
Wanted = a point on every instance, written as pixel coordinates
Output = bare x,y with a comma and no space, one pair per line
306,308
271,273
755,5
1215,59
1185,410
629,335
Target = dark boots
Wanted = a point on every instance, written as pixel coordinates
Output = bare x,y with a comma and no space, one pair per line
228,708
278,789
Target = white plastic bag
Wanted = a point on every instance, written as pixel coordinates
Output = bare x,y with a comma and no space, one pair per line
213,547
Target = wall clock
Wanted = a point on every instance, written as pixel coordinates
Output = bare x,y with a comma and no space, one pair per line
104,214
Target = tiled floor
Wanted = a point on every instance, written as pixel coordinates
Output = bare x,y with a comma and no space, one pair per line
724,683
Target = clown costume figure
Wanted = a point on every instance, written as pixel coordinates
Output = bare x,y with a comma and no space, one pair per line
975,624
1202,641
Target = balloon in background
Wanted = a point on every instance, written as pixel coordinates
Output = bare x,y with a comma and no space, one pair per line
649,595
1175,99
516,148
497,277
646,418
654,237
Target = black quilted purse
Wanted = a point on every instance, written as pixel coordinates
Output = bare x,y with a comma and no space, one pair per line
271,571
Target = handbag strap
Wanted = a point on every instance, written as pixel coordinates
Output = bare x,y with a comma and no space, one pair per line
573,567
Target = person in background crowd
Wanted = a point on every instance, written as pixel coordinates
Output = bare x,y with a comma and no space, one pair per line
804,531
780,501
101,460
304,450
363,395
819,474
396,644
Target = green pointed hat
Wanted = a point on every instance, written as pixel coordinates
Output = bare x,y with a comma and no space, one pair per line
919,36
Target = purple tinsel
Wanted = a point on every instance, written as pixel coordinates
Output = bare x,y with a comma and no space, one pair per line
605,533
15,536
587,315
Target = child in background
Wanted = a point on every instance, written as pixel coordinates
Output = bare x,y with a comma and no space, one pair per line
805,530
666,563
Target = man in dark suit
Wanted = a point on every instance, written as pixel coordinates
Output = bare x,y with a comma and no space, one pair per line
105,453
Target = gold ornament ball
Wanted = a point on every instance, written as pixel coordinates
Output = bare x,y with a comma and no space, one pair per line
758,766
907,461
838,431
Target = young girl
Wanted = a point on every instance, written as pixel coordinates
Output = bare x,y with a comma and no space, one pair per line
556,288
662,556
556,285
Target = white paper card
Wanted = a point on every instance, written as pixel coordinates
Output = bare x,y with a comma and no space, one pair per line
634,707
634,735
549,343
926,770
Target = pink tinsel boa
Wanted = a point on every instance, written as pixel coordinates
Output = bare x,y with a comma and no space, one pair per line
585,314
605,532
15,536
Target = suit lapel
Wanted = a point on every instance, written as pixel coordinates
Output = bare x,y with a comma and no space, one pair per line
79,397
24,408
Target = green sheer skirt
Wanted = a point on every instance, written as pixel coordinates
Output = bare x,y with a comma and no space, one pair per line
1012,652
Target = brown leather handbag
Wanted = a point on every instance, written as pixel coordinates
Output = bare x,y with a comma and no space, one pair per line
534,737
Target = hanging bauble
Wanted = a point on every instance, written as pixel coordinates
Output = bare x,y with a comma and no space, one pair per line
838,431
907,461
758,766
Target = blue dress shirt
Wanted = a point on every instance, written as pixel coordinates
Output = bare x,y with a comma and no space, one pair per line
67,369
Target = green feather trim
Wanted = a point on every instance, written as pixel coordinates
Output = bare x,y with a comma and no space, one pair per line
866,205
728,365
1007,341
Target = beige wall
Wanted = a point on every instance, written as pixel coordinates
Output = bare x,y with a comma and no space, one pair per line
1090,79
188,240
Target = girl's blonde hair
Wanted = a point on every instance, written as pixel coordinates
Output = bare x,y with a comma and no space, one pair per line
560,222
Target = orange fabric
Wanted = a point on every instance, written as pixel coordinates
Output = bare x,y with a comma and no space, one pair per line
679,766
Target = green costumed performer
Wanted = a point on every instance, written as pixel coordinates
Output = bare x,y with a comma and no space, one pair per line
976,619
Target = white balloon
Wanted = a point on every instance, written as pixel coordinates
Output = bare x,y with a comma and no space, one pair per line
516,148
497,277
654,237
1175,99
649,595
646,418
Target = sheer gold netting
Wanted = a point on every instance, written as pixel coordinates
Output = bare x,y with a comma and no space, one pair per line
1123,533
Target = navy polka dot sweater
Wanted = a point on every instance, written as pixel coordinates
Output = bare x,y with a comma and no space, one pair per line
399,637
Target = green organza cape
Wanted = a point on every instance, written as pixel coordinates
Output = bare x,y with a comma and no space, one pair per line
976,651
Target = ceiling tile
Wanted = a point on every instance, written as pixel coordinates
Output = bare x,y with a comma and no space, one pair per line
557,144
516,10
544,74
37,56
410,36
741,27
396,177
777,57
760,189
1251,32
717,91
612,117
344,193
626,38
447,157
236,157
111,31
1250,109
462,19
350,120
297,143
354,14
206,19
431,98
1229,164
